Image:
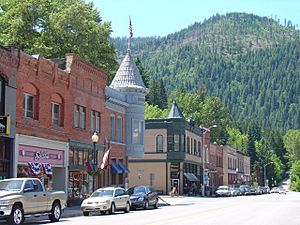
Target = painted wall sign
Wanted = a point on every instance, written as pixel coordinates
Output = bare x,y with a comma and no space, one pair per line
42,155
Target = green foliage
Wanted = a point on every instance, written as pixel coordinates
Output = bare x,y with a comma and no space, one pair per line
295,176
144,73
54,28
236,139
154,112
251,63
292,144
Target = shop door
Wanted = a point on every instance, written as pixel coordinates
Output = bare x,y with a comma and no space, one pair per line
175,182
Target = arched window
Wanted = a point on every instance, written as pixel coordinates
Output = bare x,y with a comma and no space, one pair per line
199,149
195,147
56,110
159,143
30,101
188,147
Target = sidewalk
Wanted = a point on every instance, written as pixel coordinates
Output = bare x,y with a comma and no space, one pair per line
164,200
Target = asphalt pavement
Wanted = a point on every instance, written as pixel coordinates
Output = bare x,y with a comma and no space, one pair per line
163,201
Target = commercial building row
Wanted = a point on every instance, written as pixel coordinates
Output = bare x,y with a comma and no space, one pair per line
50,108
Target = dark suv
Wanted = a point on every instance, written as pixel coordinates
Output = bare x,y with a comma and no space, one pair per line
143,197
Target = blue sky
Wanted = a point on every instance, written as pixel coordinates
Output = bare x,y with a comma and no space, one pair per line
162,17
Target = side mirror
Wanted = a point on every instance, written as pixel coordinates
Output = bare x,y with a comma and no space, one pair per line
28,189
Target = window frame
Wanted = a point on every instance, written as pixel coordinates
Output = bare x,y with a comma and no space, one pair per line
26,97
159,146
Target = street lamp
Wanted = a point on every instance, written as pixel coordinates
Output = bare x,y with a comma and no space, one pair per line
265,172
203,153
95,139
237,176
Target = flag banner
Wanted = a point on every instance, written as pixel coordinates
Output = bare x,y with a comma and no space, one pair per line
89,165
47,169
105,161
130,28
36,168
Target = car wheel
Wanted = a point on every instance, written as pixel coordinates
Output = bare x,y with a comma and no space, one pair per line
17,216
112,208
55,212
127,208
146,206
156,204
86,213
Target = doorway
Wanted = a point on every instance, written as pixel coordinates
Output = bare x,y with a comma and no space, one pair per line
175,182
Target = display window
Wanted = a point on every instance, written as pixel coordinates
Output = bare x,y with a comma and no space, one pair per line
26,171
78,187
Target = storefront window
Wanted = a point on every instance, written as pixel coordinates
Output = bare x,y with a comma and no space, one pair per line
78,185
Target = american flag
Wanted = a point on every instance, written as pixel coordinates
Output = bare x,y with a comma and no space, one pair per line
105,160
130,28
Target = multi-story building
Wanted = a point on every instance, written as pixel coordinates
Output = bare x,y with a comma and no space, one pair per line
236,166
60,103
125,108
216,159
173,154
9,59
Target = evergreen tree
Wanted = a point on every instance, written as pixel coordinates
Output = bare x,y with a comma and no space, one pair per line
163,100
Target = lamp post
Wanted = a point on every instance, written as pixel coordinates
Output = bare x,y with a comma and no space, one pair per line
237,176
203,153
265,172
95,139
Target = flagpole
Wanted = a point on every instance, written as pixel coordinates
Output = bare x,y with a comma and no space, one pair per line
130,34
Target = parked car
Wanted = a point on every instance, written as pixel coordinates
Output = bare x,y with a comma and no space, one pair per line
252,191
274,190
281,191
106,200
268,190
223,191
244,189
143,197
20,197
234,191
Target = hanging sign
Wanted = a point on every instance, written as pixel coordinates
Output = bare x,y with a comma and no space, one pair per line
4,124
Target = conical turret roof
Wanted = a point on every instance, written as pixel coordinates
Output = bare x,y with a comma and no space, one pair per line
128,75
175,112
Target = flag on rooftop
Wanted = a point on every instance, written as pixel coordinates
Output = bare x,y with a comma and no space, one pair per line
130,28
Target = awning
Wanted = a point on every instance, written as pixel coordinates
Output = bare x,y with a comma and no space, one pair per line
123,167
194,177
191,177
115,167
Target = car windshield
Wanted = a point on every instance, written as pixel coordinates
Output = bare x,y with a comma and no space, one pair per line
102,193
11,185
136,190
222,188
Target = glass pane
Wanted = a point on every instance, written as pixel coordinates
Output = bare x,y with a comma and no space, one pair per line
120,128
76,116
176,143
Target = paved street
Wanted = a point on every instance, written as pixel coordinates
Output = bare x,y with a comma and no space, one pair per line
273,209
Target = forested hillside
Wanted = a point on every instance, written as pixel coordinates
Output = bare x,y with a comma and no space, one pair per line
252,63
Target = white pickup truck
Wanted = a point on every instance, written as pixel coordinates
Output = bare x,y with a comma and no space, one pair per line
23,197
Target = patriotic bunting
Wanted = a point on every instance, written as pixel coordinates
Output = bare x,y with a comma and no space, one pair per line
36,168
47,169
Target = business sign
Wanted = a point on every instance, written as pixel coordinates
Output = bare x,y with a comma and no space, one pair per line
4,124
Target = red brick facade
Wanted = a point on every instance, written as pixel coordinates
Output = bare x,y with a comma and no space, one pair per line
82,84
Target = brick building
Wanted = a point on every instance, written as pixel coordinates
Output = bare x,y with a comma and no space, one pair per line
9,59
60,103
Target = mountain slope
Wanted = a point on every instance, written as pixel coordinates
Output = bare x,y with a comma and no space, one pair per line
252,63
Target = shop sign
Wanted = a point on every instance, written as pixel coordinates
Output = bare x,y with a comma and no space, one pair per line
41,155
4,124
